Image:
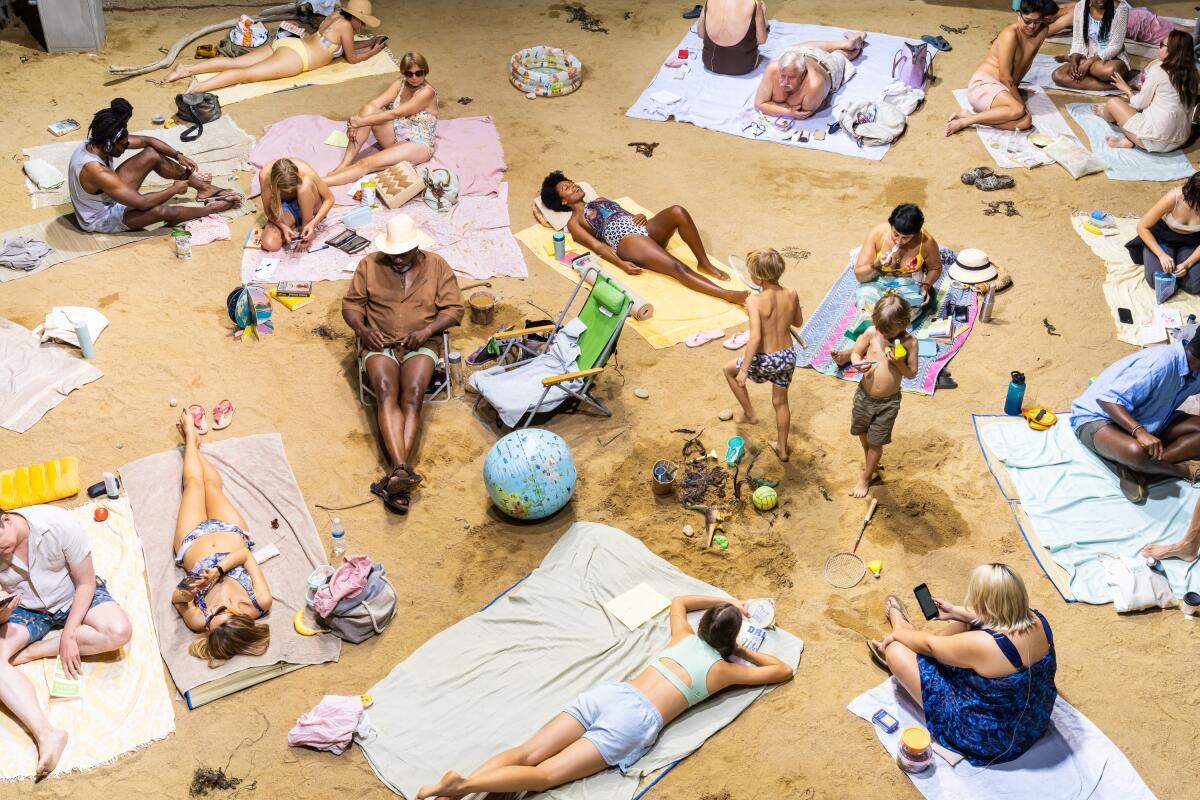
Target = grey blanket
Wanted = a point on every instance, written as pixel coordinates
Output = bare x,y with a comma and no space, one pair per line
492,680
259,482
35,377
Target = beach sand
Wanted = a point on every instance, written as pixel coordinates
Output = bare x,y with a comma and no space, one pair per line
939,512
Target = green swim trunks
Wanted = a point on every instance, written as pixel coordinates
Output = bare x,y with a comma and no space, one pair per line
390,352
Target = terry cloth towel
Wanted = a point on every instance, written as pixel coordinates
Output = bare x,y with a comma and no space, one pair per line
35,377
468,146
513,392
1125,282
1128,164
506,671
678,311
223,149
206,230
1041,70
259,482
1012,149
1074,759
725,103
474,237
825,329
70,242
45,176
126,703
382,63
1076,509
23,253
330,725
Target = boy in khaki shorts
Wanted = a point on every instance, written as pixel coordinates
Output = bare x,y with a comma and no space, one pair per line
877,401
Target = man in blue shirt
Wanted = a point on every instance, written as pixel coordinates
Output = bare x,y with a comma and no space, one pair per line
1129,416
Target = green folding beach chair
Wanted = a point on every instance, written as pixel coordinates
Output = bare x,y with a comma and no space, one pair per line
551,389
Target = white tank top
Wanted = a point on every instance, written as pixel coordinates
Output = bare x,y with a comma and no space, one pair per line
92,209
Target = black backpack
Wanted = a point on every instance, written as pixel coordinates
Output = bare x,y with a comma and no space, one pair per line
196,108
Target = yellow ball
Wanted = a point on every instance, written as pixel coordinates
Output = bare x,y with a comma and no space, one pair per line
765,498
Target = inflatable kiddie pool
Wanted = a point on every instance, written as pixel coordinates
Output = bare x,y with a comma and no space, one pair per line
545,71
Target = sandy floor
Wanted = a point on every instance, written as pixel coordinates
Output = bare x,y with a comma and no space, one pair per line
939,514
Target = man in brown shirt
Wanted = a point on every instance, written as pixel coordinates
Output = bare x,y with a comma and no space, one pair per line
399,299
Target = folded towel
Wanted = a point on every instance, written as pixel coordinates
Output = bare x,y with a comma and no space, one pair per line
23,252
44,174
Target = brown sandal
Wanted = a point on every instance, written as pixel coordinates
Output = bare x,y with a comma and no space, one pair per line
892,600
397,502
402,479
877,654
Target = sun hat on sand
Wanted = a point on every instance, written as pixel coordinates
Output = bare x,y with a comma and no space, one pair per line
972,266
362,10
401,236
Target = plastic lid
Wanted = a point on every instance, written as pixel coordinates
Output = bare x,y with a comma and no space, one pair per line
1018,378
915,739
454,357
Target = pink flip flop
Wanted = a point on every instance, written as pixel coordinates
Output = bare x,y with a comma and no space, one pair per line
703,338
737,341
198,419
222,414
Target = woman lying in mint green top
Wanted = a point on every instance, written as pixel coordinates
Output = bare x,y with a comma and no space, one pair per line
615,724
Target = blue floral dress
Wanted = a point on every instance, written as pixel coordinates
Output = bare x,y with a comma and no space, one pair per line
982,717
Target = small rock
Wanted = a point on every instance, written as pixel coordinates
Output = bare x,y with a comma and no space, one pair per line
642,393
725,415
120,446
174,402
689,531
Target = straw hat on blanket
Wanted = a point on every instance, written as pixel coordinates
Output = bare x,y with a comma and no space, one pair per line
402,235
362,10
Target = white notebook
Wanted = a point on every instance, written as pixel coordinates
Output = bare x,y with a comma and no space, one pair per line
637,606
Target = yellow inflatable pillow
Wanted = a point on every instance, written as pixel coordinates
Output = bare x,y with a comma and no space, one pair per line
39,483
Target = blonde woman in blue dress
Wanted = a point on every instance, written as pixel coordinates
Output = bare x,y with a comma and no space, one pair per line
403,119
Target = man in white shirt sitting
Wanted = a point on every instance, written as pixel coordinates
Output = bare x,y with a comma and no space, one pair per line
47,582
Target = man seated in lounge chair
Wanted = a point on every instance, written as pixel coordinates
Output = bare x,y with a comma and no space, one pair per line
1129,416
807,74
109,200
399,299
47,582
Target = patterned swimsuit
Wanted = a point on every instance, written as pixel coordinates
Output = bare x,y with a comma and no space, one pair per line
776,367
238,573
982,717
611,222
420,127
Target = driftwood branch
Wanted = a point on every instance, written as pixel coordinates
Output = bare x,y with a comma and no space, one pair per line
272,14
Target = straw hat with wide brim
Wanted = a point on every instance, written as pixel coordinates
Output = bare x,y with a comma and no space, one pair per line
362,10
401,236
972,266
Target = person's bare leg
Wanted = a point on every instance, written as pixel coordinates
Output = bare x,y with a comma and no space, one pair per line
283,63
578,760
1116,445
384,133
783,421
272,236
1186,549
851,45
192,508
217,504
384,375
649,254
412,152
1098,78
105,628
173,215
133,172
903,664
415,375
872,455
665,223
551,740
747,417
19,697
219,64
1006,113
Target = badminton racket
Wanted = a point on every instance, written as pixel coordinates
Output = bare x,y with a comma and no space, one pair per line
845,570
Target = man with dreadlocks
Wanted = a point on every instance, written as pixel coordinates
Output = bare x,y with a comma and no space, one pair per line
108,199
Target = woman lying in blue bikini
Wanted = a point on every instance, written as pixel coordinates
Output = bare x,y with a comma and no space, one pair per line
633,242
615,724
211,544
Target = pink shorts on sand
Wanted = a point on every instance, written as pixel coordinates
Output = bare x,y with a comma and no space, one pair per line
982,90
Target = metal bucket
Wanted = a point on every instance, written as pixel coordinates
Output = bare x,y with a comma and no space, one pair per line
662,477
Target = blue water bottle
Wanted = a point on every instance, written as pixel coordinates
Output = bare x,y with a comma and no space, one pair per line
1016,394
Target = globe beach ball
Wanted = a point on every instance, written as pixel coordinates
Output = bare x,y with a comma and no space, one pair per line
529,474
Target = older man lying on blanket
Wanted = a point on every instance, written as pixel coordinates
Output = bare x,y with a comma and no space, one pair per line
47,582
806,75
1129,416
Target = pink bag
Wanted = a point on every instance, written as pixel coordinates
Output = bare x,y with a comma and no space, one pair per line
910,65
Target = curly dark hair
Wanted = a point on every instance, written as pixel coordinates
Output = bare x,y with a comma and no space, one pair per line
550,198
907,219
108,123
719,627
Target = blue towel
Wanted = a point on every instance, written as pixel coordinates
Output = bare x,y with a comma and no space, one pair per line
1129,164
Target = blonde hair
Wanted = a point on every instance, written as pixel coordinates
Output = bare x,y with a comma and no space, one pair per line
414,59
892,313
765,265
237,636
998,597
285,177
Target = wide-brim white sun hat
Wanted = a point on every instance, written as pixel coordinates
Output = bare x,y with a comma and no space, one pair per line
972,266
401,236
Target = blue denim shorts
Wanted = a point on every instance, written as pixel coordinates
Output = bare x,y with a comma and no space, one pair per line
39,623
619,720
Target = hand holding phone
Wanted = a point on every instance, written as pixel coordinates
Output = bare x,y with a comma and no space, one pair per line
8,602
925,598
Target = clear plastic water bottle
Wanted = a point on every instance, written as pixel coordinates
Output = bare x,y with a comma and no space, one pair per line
337,538
454,364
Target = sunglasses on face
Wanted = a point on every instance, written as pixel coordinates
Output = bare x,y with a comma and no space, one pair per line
416,73
1036,23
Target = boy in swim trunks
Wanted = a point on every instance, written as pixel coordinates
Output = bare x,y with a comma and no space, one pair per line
992,91
877,400
769,356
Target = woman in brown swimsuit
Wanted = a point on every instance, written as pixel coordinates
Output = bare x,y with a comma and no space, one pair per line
722,20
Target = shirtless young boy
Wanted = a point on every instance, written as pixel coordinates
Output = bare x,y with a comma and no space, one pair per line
993,91
877,401
769,355
806,74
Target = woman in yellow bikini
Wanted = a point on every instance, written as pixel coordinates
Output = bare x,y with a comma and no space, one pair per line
291,56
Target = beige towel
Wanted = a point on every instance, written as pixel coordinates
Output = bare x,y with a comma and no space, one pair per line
259,482
382,63
35,377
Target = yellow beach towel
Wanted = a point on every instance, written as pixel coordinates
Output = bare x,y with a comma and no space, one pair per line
678,311
340,70
125,703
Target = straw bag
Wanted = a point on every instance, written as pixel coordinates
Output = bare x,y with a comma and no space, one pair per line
398,184
369,612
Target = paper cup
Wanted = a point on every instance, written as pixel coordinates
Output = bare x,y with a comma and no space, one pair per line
1191,604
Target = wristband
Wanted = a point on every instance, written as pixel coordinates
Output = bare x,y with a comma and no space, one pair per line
1135,430
220,570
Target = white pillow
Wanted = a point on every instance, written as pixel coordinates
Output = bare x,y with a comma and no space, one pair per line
559,219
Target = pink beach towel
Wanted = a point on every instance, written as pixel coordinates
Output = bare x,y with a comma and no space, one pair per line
468,146
328,726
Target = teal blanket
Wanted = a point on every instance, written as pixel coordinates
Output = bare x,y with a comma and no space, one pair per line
1077,508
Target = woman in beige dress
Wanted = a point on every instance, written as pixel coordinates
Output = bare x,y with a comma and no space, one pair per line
1158,118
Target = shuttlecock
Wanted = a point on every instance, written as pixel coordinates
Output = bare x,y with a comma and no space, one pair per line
875,566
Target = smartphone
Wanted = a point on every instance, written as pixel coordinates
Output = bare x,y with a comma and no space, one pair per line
928,607
8,601
1125,316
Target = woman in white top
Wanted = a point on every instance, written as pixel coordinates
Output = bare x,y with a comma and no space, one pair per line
1097,46
1169,237
1159,117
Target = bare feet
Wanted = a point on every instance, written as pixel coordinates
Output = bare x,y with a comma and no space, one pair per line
211,191
443,788
840,357
860,489
738,298
854,42
1062,59
1118,142
50,750
181,70
742,418
957,122
707,268
782,452
192,86
1183,550
187,427
46,647
1098,109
